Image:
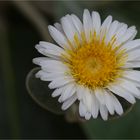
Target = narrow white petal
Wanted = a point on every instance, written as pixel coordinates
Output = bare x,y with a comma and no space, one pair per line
133,55
132,75
130,87
39,74
39,60
117,105
48,48
46,76
52,76
134,44
96,20
88,99
69,102
80,92
82,109
136,83
58,91
77,23
112,30
58,26
69,28
87,115
127,36
58,37
105,26
53,65
108,102
68,92
118,90
133,36
103,112
95,106
59,82
48,45
132,64
87,22
100,96
121,30
60,99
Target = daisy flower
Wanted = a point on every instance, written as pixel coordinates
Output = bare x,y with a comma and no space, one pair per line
93,63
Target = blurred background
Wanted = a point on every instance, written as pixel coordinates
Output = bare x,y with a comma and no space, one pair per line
22,25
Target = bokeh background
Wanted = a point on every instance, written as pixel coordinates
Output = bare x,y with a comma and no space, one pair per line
22,25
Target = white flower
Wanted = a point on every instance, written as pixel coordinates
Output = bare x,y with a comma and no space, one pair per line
93,63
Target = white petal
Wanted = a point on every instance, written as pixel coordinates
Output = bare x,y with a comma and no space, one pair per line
39,60
43,76
52,76
133,55
116,104
69,102
87,115
82,109
105,26
58,91
46,76
49,48
112,30
53,66
127,36
58,82
96,20
131,45
40,74
100,96
80,92
130,87
68,92
133,36
108,102
132,75
118,90
87,100
95,106
121,30
69,28
103,112
58,26
132,64
77,23
87,22
58,37
60,99
136,83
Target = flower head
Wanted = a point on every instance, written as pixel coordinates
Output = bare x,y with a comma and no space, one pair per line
93,63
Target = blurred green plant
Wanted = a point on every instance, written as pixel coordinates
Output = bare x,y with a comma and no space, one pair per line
9,79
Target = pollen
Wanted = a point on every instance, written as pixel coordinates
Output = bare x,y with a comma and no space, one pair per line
97,63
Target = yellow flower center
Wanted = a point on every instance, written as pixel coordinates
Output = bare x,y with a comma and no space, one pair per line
95,64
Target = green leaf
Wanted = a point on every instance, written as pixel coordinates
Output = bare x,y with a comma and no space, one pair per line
41,94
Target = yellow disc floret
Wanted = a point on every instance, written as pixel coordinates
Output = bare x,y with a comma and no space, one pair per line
95,64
